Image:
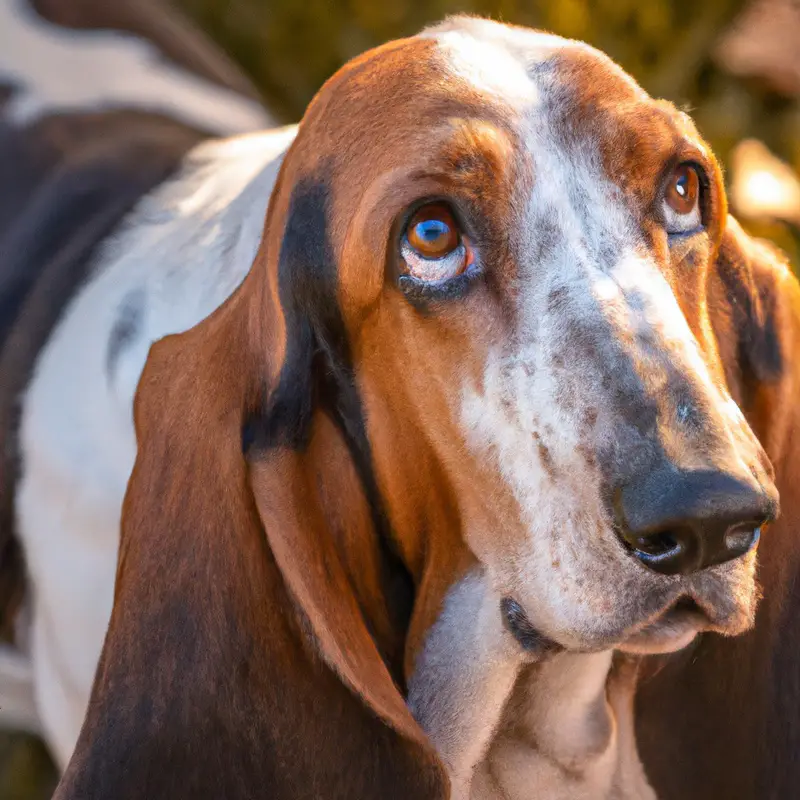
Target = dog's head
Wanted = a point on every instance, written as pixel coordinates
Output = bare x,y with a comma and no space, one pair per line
499,313
531,270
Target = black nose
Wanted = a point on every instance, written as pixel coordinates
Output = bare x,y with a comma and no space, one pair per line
678,522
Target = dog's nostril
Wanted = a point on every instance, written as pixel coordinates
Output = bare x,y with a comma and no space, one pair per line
742,538
656,545
668,551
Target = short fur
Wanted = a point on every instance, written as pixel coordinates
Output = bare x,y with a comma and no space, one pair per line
335,428
78,177
721,719
266,532
99,105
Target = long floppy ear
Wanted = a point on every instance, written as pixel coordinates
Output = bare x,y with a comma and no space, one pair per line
723,718
242,656
751,295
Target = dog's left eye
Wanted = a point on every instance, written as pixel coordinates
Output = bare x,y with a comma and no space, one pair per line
433,247
681,203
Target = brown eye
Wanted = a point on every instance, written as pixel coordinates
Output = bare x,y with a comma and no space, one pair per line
432,231
684,189
682,200
433,247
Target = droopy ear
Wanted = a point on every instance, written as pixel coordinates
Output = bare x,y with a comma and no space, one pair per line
726,709
238,662
752,302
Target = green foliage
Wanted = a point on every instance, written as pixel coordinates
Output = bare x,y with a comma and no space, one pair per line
26,772
291,47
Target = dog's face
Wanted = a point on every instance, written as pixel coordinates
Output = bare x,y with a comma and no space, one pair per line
524,242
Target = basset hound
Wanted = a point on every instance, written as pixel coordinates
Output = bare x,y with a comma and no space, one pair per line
458,494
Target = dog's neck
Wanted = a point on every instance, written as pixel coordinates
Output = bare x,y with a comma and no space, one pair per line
511,727
566,732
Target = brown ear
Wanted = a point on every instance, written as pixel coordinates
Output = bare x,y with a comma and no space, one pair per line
721,718
238,661
751,296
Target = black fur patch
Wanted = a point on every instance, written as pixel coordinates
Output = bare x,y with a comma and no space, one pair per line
316,344
765,351
318,374
6,90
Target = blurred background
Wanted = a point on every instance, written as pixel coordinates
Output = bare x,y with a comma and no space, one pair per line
733,64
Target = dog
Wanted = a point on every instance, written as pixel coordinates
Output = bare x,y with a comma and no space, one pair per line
492,426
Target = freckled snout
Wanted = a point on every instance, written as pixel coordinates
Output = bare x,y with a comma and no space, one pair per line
682,521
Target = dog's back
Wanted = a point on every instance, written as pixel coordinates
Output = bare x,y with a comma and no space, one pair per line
99,104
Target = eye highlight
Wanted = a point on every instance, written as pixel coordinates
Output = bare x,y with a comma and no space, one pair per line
433,247
681,204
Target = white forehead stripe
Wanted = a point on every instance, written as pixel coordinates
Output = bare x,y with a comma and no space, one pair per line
487,67
60,69
497,58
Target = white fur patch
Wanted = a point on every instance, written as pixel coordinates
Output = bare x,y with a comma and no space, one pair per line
182,250
55,69
489,67
594,321
463,677
536,388
518,408
511,729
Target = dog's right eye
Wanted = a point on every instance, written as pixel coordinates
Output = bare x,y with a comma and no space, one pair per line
433,247
682,200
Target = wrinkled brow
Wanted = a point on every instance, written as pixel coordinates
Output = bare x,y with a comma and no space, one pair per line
473,158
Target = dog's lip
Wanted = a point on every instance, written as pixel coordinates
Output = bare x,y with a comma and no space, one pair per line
670,631
529,638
